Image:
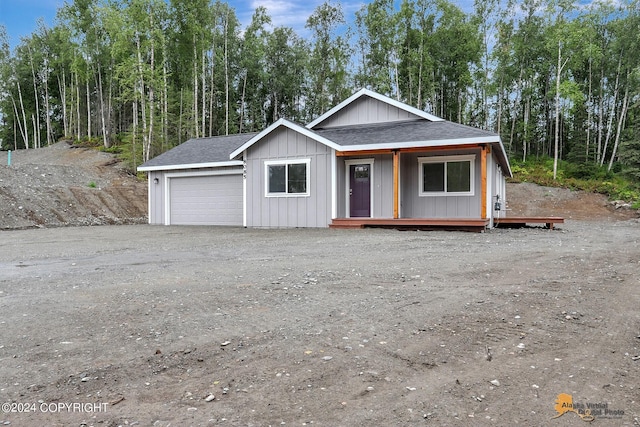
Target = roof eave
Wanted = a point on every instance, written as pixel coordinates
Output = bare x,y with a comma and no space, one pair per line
416,144
190,166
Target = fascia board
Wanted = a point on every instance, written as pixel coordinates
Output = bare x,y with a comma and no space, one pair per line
190,166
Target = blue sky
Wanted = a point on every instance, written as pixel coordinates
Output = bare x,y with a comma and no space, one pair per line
20,16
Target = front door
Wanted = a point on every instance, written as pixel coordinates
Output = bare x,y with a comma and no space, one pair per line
360,190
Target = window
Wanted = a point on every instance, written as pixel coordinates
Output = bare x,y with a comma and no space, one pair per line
287,178
446,176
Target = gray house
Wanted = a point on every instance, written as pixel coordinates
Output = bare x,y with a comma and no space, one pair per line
370,159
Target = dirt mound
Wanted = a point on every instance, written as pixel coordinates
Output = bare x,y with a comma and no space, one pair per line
527,199
61,185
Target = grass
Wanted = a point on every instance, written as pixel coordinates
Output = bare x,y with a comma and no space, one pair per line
578,176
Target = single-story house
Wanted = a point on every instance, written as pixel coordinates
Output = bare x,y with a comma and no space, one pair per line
368,157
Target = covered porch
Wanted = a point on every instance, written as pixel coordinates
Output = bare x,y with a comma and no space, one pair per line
397,195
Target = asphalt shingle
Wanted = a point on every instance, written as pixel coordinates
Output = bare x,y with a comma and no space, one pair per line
200,150
401,131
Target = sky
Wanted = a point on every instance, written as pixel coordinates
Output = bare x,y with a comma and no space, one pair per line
20,16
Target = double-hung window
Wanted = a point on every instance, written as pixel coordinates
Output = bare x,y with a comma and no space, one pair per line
287,178
446,176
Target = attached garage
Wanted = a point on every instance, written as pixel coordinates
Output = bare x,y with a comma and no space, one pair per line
204,199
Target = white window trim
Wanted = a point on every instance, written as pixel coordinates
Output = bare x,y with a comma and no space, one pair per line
347,164
471,158
286,162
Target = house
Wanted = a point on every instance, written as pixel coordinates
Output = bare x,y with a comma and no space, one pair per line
370,158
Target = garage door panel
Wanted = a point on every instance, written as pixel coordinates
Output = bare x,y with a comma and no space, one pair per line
206,200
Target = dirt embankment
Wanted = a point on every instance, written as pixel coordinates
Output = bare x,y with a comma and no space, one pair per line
61,185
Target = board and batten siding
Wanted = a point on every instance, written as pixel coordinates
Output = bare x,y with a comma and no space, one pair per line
415,206
382,194
313,210
156,198
366,110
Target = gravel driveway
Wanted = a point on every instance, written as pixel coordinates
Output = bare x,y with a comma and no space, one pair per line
203,326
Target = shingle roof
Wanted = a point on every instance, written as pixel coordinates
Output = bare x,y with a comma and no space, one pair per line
200,151
402,131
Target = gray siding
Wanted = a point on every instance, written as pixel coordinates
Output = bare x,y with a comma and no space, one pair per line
311,211
156,198
415,206
366,110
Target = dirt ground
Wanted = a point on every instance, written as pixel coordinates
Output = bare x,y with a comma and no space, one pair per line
61,185
123,325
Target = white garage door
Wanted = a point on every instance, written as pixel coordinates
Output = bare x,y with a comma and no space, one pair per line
205,200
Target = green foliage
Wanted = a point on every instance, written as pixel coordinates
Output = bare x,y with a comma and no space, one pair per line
92,184
577,176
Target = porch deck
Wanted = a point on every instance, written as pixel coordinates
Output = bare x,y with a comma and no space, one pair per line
522,221
458,224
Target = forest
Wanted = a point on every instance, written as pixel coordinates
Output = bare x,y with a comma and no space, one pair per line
557,79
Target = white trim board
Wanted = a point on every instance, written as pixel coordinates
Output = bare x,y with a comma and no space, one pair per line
190,166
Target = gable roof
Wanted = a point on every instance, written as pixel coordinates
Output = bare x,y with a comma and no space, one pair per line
198,153
290,125
385,99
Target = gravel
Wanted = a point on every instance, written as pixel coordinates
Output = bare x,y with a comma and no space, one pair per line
319,327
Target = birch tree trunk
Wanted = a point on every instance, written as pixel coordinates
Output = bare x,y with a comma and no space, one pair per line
147,150
556,138
36,127
621,120
62,88
195,88
105,137
226,74
17,120
24,116
612,113
88,110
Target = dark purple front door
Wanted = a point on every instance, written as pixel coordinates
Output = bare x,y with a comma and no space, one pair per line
360,190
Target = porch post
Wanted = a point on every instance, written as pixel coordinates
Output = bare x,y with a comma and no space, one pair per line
396,184
483,182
